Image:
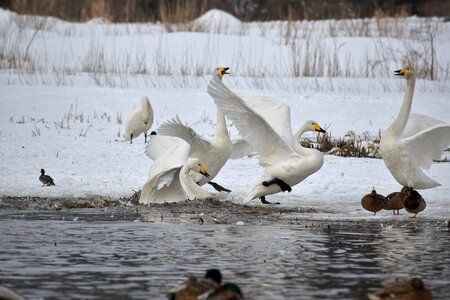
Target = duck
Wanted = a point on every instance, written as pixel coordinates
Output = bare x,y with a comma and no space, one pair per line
410,289
8,294
46,179
414,203
228,291
369,148
285,161
169,179
411,143
139,121
395,200
213,153
193,287
374,202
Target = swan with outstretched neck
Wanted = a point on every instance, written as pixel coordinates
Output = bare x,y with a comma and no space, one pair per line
212,153
169,179
286,162
409,145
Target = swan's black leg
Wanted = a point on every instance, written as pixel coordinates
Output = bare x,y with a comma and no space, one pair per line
145,135
131,138
218,187
283,185
264,201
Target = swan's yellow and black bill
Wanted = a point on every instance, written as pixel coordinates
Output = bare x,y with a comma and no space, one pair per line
223,70
318,128
400,72
203,171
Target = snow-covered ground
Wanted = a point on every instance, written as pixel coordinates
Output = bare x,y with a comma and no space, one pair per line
69,120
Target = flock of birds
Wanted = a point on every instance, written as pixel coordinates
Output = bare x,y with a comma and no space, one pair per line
184,161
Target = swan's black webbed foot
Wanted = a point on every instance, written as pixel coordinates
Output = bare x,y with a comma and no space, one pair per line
218,187
264,201
283,185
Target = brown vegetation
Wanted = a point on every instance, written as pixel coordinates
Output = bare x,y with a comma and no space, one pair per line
179,11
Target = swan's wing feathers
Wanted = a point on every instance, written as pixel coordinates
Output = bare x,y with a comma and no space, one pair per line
252,127
241,148
417,123
176,128
428,144
275,112
168,152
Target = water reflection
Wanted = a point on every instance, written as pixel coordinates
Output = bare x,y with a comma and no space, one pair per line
129,260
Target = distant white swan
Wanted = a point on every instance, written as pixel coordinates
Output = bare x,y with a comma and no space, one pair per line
370,148
285,160
169,179
139,121
408,146
212,153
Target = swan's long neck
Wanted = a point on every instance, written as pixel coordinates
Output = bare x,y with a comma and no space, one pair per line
399,123
191,188
221,132
298,146
355,139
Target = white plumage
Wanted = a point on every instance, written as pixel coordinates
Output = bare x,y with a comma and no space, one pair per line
139,121
169,179
280,153
412,142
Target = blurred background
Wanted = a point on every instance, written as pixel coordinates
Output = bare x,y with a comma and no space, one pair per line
179,11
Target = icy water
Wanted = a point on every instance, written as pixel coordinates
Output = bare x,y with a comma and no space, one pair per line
98,254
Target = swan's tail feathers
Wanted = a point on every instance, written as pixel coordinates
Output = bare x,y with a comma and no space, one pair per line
249,198
424,182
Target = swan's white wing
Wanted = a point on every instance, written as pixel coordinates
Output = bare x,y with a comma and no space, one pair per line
417,123
176,128
275,112
428,144
167,152
241,149
252,127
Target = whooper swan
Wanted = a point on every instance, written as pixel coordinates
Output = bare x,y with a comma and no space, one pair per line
169,179
212,153
139,121
408,146
285,161
370,148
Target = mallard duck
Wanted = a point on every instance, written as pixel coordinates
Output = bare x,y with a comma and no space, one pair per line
373,202
414,203
45,179
412,289
139,121
228,291
395,200
8,294
194,287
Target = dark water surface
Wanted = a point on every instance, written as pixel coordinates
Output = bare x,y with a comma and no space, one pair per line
105,256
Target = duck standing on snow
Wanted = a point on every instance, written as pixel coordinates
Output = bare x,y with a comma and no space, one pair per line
46,179
414,203
412,289
139,121
395,200
411,143
373,202
194,287
285,160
